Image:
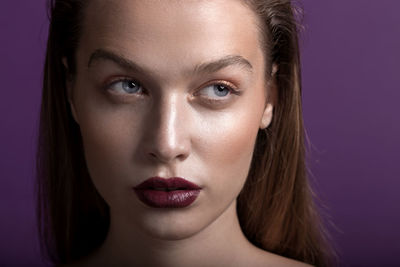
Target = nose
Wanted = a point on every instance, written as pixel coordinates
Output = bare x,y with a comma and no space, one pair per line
167,131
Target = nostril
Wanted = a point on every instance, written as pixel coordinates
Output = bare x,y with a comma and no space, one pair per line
166,158
163,151
155,156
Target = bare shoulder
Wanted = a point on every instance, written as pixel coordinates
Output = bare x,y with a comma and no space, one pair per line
264,258
279,261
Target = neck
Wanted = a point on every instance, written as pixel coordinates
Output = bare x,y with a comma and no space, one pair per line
217,244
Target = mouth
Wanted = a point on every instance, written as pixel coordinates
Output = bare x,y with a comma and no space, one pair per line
167,189
174,192
171,184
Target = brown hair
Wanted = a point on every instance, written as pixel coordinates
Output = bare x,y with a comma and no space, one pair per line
275,207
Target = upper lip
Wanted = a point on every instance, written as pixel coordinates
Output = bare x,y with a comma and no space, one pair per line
170,183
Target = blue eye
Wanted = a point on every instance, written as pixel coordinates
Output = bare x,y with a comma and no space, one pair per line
216,91
127,86
221,90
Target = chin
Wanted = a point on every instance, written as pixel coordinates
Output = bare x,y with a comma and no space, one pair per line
171,235
172,227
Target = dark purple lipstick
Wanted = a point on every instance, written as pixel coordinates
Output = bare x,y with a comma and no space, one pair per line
174,192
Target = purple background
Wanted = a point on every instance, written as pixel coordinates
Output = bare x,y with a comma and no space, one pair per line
351,77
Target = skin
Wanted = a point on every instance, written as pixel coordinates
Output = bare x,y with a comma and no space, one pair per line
174,124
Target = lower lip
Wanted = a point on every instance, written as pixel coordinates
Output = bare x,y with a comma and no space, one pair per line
164,199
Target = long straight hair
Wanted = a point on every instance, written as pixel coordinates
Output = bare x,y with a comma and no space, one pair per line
275,207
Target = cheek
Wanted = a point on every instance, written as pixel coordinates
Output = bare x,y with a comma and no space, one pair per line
231,142
227,148
104,145
108,138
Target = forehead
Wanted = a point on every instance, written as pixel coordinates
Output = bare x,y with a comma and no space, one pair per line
177,31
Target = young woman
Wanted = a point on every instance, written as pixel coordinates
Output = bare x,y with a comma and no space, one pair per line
171,134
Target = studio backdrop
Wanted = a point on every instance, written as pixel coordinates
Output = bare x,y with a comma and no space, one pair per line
351,94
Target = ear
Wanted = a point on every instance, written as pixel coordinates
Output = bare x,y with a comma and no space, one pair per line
270,100
267,116
69,86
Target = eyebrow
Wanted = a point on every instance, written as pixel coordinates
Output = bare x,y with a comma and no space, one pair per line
207,67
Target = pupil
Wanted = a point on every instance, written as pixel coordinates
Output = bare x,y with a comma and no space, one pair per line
221,90
130,86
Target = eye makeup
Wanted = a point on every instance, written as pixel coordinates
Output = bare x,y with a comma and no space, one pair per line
214,92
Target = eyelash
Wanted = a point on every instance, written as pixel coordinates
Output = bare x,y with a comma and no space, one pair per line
109,84
229,86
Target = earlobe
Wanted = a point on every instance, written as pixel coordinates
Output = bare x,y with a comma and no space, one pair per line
73,111
274,69
69,85
267,116
271,99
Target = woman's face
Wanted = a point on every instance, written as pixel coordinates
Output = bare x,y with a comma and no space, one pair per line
169,89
